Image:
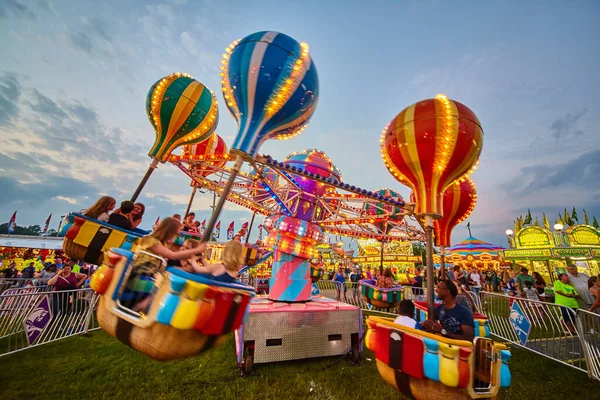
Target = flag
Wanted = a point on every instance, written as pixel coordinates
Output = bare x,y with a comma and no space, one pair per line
12,223
528,218
574,215
469,228
202,227
244,230
520,220
260,229
536,223
585,218
595,223
560,220
546,222
47,225
217,233
230,231
567,218
156,223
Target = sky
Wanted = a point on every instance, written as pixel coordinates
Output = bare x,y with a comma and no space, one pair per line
74,76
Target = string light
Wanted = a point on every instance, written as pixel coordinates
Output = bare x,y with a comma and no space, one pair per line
226,87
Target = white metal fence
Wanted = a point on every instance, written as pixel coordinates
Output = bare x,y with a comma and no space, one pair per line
560,333
32,317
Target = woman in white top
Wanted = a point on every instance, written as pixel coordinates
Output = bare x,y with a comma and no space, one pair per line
101,208
475,278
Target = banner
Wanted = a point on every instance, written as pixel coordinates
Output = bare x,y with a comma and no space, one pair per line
230,231
202,227
244,230
37,320
217,232
47,225
12,223
260,229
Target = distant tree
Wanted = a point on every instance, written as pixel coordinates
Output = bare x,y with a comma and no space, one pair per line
31,230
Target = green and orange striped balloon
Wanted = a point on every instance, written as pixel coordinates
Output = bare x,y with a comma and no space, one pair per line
429,145
182,111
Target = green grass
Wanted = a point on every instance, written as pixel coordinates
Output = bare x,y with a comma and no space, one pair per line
98,366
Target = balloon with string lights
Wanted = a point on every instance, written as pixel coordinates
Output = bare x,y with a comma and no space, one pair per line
379,208
458,203
429,145
212,154
270,85
182,111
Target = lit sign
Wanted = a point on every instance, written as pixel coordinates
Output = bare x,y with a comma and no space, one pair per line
388,258
571,252
596,252
533,236
527,253
583,235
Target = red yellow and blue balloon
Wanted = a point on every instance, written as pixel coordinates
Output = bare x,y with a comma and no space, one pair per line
458,203
429,145
379,208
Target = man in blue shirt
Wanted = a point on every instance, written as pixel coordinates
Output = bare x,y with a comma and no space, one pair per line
455,320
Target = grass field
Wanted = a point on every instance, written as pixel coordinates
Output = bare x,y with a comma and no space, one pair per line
99,367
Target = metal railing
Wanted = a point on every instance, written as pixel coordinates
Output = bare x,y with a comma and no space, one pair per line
30,319
588,326
553,331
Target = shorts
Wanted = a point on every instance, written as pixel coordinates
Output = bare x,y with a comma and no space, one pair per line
568,314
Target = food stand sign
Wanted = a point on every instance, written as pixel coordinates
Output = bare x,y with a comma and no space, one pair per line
527,253
572,252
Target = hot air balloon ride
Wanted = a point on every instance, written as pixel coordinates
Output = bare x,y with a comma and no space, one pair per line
182,111
458,203
428,146
270,85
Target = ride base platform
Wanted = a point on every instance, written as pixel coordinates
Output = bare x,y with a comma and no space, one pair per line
278,331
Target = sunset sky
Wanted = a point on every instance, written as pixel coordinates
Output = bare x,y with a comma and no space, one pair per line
74,76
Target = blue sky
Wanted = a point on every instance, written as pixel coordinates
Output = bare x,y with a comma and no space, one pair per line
74,76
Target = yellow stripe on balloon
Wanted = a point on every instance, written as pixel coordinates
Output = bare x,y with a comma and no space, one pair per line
405,131
467,162
456,195
185,104
201,129
447,125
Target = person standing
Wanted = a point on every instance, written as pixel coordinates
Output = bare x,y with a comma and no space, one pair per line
475,278
521,279
579,281
566,296
490,276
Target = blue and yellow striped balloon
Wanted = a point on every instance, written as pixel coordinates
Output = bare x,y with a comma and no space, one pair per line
271,87
182,111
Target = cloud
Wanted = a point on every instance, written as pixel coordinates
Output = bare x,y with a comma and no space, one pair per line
563,127
80,41
98,27
13,8
189,43
15,193
10,94
578,172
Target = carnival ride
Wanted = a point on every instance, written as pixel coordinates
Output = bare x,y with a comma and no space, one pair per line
428,146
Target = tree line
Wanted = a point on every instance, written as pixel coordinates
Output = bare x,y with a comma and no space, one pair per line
31,230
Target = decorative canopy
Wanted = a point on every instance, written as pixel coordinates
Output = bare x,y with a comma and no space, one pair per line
473,246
